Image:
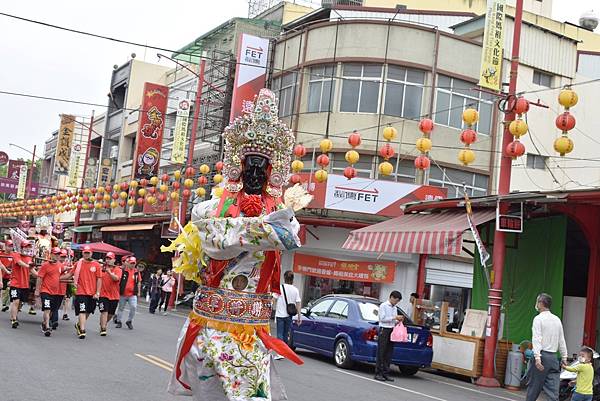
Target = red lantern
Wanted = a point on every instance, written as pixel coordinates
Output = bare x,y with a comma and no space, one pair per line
202,180
80,192
387,151
86,198
99,197
468,136
165,177
93,190
349,172
68,208
354,139
189,172
219,166
132,193
143,182
176,185
422,162
115,196
521,105
140,201
565,121
299,150
124,186
74,199
105,205
108,188
323,160
426,125
186,193
162,197
296,179
152,190
122,203
515,149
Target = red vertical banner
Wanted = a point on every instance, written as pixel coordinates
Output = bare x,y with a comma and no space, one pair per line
250,73
150,130
14,169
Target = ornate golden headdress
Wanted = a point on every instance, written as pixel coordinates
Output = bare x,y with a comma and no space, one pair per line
259,132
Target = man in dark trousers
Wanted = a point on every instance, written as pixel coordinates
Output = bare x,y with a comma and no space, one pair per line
388,318
155,289
547,338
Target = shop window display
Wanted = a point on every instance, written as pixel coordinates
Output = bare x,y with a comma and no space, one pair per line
316,287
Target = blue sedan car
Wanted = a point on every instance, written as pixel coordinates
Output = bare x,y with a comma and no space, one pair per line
345,327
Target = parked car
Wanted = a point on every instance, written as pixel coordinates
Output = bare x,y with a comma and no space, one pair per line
345,327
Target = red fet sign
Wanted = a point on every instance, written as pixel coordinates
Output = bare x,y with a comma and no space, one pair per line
150,130
14,169
3,158
377,271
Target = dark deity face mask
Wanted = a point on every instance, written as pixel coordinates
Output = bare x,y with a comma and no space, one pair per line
255,174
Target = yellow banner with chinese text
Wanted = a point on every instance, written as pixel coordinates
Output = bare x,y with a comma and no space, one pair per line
493,46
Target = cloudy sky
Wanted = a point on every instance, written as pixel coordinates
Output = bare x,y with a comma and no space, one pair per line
44,61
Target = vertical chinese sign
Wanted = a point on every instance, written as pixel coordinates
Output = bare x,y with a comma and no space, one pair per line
150,130
493,46
74,166
64,144
250,74
105,175
22,182
180,135
14,169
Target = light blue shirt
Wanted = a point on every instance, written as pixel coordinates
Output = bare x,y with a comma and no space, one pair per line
387,315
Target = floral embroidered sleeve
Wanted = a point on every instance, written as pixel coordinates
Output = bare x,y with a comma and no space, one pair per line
226,238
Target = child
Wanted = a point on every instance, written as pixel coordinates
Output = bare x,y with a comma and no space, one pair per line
585,375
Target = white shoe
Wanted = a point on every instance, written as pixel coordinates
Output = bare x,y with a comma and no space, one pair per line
277,357
165,313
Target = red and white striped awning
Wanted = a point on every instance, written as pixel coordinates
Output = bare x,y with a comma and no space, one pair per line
432,234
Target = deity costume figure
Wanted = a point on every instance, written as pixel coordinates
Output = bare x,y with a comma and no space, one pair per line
232,248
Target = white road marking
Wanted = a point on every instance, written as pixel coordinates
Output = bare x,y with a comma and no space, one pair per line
160,365
157,359
470,389
391,385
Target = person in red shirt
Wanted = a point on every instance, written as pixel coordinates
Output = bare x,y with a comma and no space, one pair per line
88,279
6,267
109,295
19,281
47,288
129,288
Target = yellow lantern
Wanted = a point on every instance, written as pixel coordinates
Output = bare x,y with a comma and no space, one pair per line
201,192
321,175
326,145
424,144
466,156
123,195
152,200
87,191
297,166
106,197
113,204
133,184
470,116
518,128
204,169
568,98
389,133
218,178
188,183
175,196
352,156
386,168
142,192
218,191
85,206
563,145
177,174
163,188
116,187
100,190
131,202
154,180
98,205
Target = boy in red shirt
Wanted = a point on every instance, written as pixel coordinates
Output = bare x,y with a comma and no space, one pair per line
109,295
5,267
88,279
129,288
19,281
48,288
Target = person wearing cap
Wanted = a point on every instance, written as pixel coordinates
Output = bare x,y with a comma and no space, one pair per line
109,295
6,263
129,288
88,279
48,290
62,258
19,282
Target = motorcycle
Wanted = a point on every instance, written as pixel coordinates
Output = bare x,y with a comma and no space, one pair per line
568,380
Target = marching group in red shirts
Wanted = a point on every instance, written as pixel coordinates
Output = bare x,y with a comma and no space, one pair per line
101,284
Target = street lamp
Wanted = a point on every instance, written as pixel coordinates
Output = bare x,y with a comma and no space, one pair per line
30,173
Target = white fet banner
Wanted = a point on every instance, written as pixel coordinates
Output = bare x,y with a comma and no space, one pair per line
22,182
180,135
364,195
250,74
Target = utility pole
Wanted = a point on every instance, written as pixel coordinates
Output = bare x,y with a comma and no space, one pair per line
85,165
488,378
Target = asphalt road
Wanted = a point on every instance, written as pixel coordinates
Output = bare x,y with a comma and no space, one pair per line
136,364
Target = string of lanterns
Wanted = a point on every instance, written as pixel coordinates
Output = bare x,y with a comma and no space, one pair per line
468,136
424,144
565,121
352,156
518,127
387,151
151,191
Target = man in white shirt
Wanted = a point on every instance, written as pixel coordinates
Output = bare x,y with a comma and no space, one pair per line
547,338
388,318
289,296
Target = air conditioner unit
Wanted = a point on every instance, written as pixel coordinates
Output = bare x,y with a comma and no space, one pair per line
114,152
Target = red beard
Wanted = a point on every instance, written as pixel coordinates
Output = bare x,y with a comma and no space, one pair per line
251,205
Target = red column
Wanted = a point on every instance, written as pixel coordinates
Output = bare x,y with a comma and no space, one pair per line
591,305
421,276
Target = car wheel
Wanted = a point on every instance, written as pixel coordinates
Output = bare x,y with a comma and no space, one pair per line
408,370
341,355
